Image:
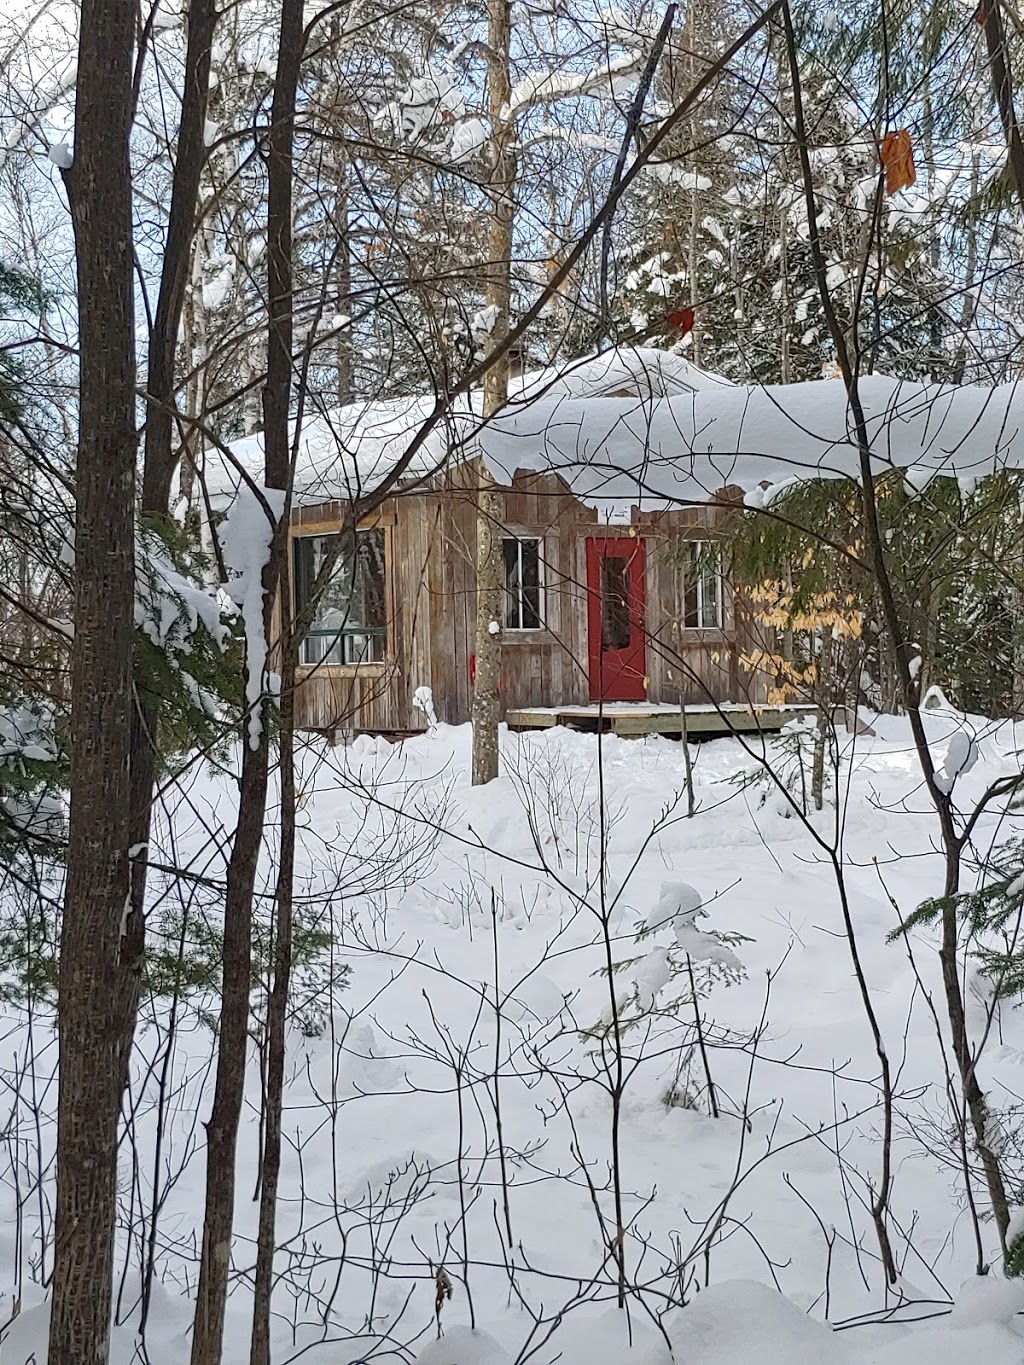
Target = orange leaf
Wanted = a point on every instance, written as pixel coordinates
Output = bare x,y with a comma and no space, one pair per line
681,321
897,158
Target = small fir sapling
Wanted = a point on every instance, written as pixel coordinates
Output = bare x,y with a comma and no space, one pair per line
666,978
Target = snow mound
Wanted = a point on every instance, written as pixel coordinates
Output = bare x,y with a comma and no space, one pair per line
740,1321
463,1346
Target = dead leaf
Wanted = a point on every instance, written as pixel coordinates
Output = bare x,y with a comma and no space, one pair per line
897,157
444,1290
681,321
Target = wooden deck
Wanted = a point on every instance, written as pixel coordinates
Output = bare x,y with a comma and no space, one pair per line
626,718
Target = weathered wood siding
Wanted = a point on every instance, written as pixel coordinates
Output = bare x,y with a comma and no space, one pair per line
431,552
376,697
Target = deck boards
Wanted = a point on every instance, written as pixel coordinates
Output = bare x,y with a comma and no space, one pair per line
659,720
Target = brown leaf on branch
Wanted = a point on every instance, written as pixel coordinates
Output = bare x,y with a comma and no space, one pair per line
444,1290
897,158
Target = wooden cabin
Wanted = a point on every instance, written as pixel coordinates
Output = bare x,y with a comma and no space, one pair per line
639,612
592,613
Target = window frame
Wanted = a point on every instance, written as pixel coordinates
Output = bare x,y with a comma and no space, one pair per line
693,547
544,626
325,530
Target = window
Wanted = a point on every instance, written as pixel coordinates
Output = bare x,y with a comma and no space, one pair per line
524,583
615,626
349,624
703,591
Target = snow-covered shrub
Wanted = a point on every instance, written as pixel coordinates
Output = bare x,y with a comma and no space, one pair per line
32,772
674,974
1014,1263
186,654
185,948
786,784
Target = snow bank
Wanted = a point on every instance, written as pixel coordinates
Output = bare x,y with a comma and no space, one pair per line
741,1321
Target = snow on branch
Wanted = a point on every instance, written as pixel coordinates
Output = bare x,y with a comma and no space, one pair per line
545,87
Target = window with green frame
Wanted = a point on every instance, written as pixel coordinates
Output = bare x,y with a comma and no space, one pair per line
349,621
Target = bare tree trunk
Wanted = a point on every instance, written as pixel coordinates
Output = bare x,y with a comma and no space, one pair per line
276,403
991,20
785,360
969,304
222,1129
490,502
94,1020
344,278
229,1087
277,1008
159,454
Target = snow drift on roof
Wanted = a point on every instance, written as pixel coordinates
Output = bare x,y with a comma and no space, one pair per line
642,371
346,452
681,437
624,453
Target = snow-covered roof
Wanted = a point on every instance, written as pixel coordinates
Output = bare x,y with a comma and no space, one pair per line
646,429
622,453
346,452
640,371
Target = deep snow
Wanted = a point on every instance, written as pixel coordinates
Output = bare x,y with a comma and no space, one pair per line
392,1164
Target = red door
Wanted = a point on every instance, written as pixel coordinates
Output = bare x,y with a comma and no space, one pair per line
615,619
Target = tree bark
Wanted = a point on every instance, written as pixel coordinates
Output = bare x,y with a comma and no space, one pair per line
490,502
991,21
94,1021
277,1008
823,692
276,403
222,1130
159,460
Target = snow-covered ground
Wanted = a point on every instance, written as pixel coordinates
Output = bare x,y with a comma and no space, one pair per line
472,923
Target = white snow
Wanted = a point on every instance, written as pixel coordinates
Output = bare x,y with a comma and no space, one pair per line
429,100
27,733
679,907
961,756
469,137
1016,1228
245,541
643,429
622,453
347,452
374,1114
423,700
650,976
61,155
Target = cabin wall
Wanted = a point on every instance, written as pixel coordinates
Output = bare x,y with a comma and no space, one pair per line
692,666
376,697
431,555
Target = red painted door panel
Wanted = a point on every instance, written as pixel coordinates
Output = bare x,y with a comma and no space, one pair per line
615,619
